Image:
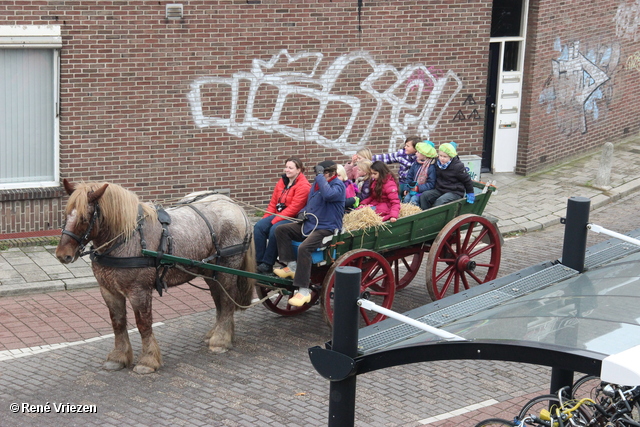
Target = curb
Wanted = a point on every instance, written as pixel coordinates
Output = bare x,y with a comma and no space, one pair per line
48,286
596,202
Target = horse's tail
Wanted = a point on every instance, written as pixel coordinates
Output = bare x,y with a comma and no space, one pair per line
245,284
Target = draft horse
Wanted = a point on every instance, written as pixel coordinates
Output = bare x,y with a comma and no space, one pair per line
118,225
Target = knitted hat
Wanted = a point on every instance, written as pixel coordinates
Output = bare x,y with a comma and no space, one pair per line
448,149
426,149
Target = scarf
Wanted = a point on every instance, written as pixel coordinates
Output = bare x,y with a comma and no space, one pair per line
444,166
422,174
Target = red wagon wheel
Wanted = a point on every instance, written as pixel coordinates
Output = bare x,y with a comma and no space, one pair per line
280,303
376,280
466,252
405,264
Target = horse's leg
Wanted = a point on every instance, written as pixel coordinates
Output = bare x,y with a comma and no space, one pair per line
150,358
220,337
122,353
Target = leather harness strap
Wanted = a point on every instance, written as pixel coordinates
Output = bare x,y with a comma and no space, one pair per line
166,242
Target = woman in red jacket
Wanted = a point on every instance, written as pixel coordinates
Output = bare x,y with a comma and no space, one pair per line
289,196
384,192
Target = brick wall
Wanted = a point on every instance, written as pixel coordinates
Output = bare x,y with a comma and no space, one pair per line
590,97
148,103
29,210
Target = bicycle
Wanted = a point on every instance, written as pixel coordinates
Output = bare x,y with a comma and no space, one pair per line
613,403
561,400
557,415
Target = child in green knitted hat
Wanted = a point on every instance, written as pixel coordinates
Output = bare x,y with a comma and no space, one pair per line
452,180
422,174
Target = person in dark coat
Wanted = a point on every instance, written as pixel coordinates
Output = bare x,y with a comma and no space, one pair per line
452,180
322,216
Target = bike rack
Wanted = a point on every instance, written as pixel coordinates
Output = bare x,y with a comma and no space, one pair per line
598,229
371,306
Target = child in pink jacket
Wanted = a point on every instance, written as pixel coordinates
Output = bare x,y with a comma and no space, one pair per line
384,192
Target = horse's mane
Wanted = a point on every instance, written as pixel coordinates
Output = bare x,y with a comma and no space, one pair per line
118,207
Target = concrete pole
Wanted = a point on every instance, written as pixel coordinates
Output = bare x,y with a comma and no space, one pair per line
603,177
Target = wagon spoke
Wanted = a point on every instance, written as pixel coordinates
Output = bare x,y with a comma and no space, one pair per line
406,265
376,278
468,236
446,260
476,278
277,299
450,248
478,239
444,272
482,250
456,283
447,283
454,256
486,265
464,280
375,281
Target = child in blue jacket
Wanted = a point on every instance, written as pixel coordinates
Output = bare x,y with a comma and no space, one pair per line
422,174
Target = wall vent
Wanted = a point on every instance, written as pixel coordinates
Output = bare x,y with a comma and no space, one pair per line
174,11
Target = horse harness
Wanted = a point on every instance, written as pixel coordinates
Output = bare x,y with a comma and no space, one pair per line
164,247
84,239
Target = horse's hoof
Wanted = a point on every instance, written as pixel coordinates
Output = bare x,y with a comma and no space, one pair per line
218,350
143,370
110,365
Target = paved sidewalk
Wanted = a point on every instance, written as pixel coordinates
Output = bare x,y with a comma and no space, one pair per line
522,203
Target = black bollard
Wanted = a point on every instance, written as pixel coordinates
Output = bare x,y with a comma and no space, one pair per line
575,233
342,394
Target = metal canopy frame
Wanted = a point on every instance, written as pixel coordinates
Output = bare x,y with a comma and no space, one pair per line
392,343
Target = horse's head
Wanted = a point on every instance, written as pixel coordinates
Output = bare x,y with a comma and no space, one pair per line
81,221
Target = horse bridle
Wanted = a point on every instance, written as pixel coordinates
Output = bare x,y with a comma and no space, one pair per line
84,239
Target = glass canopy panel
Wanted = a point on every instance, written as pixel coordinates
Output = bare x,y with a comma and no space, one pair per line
598,310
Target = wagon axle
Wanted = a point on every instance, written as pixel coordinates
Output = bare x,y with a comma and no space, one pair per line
465,263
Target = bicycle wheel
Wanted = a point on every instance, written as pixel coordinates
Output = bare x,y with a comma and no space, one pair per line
591,386
533,407
587,386
495,422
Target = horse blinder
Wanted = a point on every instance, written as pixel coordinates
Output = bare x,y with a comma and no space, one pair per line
85,238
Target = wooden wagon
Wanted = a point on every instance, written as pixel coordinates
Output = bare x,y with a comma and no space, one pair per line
463,250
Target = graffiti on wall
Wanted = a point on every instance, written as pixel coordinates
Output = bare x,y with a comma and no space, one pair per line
421,75
414,102
627,20
473,115
580,84
633,62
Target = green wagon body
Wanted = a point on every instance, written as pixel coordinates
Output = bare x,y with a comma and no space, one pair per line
407,231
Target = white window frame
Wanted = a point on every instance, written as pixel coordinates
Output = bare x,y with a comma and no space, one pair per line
41,37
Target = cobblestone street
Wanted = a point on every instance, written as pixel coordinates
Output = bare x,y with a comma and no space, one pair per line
267,378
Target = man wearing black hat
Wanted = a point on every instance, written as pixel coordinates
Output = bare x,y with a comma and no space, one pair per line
320,218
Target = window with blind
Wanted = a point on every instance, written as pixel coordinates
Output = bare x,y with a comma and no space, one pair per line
28,106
